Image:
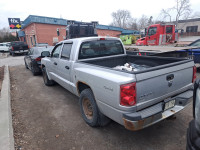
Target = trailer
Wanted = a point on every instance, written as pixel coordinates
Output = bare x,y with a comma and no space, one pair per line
188,52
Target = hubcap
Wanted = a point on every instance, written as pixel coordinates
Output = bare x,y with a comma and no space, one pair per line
87,108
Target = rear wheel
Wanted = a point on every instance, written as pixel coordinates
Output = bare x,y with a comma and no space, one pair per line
89,110
26,66
33,70
47,82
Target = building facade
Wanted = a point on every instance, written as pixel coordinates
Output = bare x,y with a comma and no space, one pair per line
189,27
39,29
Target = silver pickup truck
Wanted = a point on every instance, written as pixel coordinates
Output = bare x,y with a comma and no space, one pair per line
135,91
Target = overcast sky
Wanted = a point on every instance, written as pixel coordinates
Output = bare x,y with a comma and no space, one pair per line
83,10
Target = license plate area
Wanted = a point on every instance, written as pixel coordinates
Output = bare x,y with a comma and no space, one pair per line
168,103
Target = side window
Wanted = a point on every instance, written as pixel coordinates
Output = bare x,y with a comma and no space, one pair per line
65,54
56,52
152,31
30,52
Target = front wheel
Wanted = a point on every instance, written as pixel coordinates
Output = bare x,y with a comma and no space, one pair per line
89,110
47,82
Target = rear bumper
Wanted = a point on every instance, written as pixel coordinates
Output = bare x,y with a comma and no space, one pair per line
20,51
193,137
153,114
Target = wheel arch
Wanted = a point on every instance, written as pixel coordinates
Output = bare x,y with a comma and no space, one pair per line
82,86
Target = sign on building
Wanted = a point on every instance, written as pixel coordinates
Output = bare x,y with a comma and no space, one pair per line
14,23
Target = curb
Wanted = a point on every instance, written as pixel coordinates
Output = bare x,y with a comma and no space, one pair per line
6,129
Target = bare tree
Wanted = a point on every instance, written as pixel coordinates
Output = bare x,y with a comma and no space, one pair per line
167,14
181,10
143,22
121,18
196,14
132,24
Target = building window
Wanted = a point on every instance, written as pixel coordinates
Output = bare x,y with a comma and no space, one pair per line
192,29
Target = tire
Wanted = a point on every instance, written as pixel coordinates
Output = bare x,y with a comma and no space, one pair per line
33,71
47,82
26,66
89,110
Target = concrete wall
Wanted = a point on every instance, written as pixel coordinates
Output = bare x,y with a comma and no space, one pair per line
184,25
111,33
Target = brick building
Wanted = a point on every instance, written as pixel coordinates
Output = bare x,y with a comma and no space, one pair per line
38,29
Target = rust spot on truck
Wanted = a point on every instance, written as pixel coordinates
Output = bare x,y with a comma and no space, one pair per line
129,125
133,126
172,111
78,88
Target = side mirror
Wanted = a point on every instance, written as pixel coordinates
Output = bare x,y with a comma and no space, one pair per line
45,54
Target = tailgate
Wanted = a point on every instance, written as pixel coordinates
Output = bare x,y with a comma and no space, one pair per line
157,85
20,47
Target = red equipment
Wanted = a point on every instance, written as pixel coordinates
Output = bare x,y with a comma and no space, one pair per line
159,34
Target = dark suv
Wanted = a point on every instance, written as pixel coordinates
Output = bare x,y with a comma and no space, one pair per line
193,133
18,47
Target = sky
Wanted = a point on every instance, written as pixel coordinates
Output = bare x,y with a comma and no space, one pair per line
83,10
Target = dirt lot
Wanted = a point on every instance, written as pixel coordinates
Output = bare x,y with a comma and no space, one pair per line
48,118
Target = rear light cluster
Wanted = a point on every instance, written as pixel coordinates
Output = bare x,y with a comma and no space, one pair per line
128,94
194,74
38,59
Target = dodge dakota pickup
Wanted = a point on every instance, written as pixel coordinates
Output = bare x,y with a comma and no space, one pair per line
135,91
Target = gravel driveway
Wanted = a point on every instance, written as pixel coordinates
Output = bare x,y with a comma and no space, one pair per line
48,118
6,59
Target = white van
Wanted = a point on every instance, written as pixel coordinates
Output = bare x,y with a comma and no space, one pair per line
4,47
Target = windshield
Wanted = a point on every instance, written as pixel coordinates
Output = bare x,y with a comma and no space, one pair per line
196,43
100,48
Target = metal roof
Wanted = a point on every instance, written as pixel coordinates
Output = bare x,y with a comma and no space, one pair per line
59,21
46,20
189,20
123,31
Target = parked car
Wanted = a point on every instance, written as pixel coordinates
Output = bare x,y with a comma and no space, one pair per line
41,44
4,47
135,91
193,132
33,59
18,47
195,43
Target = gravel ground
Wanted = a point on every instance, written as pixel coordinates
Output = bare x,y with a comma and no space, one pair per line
48,118
6,59
1,77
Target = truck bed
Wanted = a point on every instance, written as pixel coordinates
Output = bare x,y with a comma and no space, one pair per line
155,63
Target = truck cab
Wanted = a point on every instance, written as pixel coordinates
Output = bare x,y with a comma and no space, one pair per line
159,34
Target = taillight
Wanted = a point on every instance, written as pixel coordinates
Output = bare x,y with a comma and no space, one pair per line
194,74
102,38
12,48
38,59
128,94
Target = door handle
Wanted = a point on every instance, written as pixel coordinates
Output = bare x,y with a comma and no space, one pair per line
170,77
55,63
67,67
